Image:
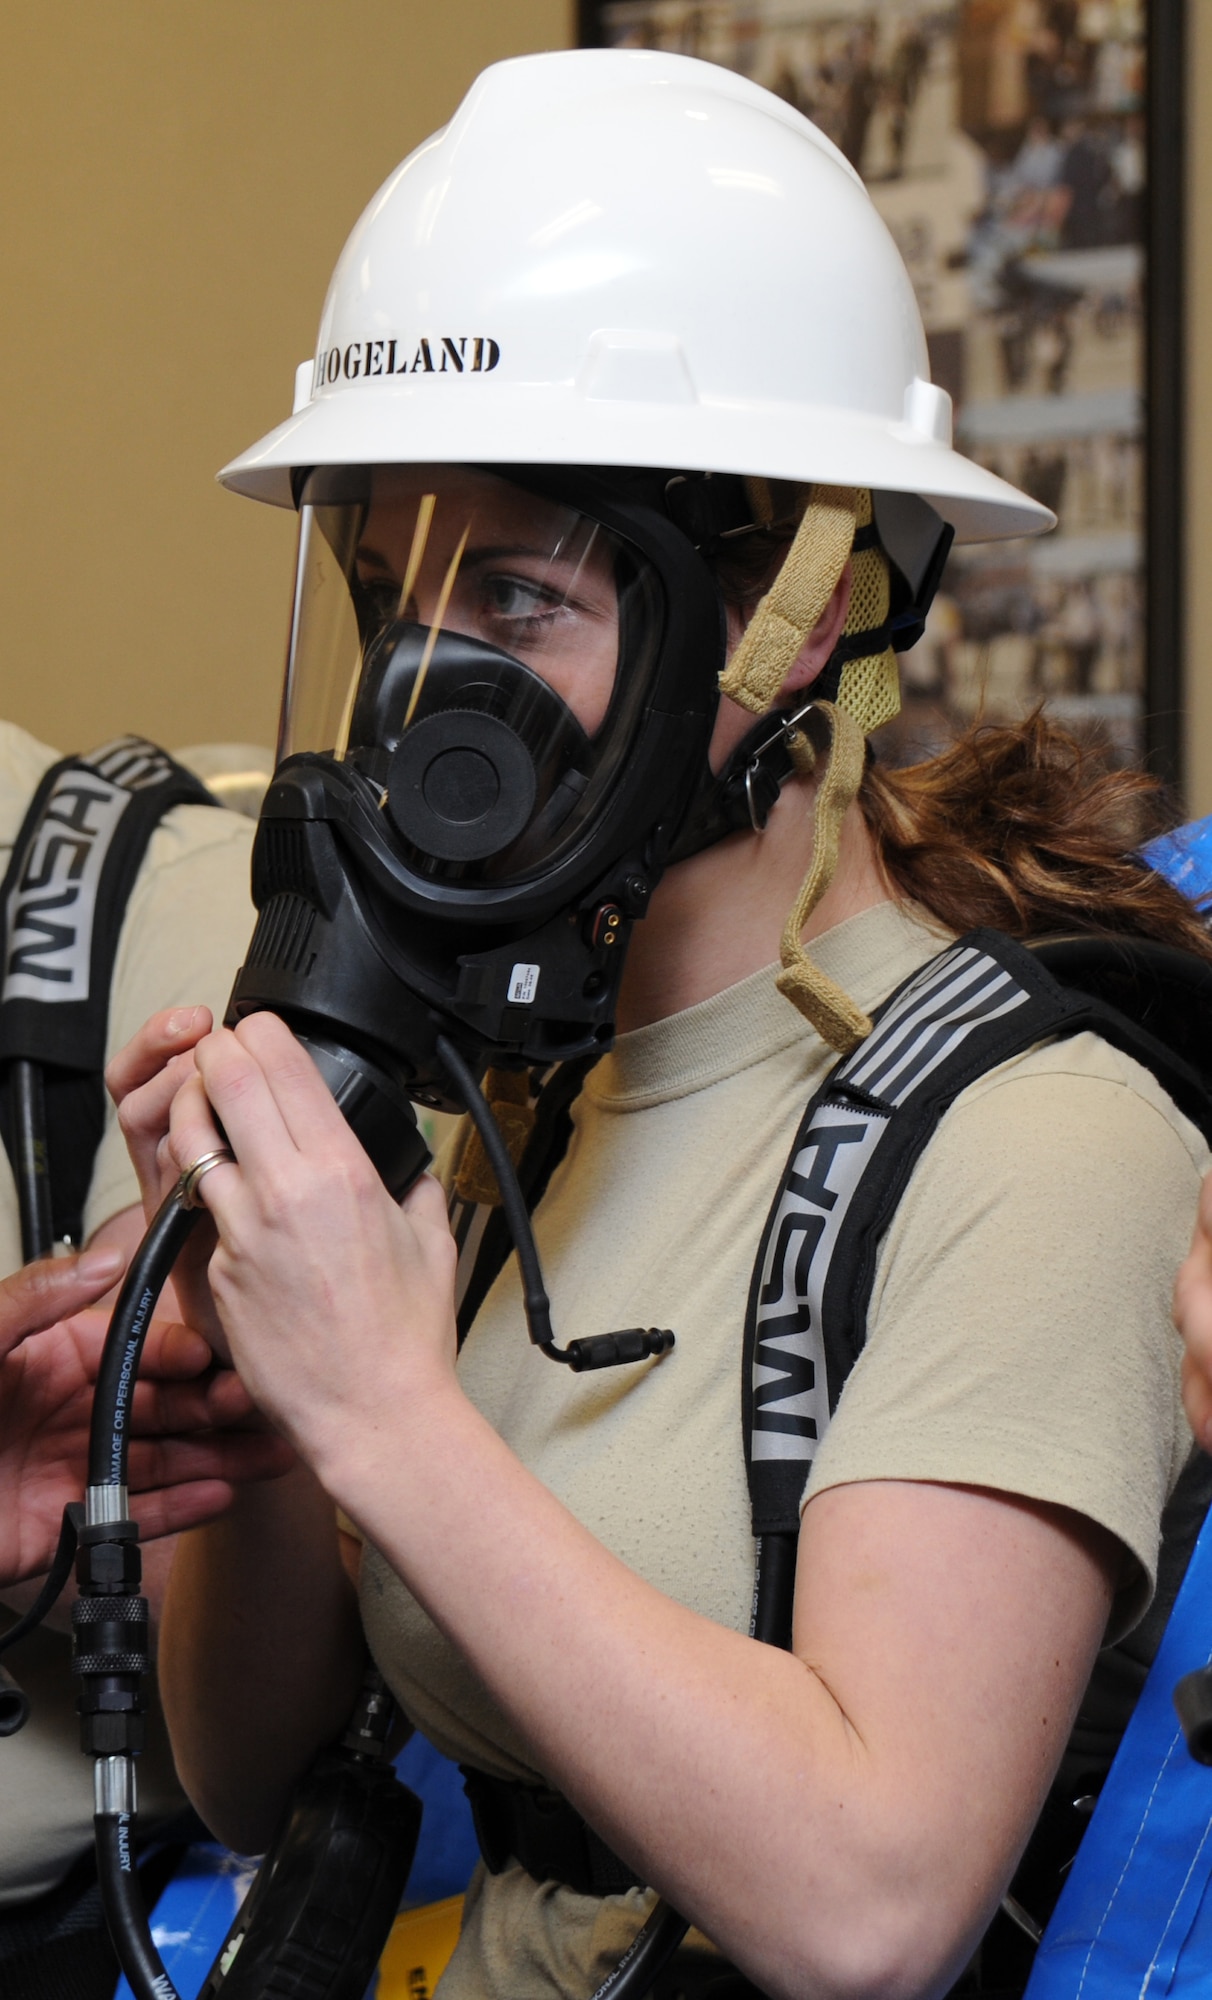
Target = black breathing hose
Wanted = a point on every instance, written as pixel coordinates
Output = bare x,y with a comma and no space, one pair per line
646,1956
599,1350
124,1912
534,1292
109,1617
150,1267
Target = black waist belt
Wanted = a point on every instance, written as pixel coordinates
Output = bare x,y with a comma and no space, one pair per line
544,1834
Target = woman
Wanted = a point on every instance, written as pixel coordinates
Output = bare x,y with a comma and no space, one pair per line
555,1570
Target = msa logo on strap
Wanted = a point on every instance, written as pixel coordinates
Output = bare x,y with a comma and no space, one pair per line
132,762
790,1388
922,1027
51,910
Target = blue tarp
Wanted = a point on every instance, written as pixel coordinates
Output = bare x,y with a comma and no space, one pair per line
1184,857
1135,1916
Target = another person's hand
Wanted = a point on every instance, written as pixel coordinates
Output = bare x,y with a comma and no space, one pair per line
1193,1318
193,1436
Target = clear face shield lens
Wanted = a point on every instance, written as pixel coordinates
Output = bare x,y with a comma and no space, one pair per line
481,653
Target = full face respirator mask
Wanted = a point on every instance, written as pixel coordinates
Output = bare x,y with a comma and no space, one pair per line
500,690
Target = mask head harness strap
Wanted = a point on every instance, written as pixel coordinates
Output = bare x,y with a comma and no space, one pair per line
859,691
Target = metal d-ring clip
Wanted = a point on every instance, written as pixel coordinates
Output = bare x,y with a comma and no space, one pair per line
786,727
751,771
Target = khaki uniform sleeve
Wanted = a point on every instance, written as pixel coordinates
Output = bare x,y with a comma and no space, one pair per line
186,931
1019,1332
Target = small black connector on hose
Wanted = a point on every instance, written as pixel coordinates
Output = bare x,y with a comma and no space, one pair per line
1193,1705
609,1350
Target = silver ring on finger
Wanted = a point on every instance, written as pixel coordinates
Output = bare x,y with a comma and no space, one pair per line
187,1186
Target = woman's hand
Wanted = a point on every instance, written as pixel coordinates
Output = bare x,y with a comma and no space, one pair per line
335,1301
194,1435
143,1079
1193,1318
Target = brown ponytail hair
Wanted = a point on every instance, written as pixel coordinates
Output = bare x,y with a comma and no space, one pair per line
1022,828
1017,826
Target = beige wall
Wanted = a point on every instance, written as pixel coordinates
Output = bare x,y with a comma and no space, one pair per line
178,180
1199,410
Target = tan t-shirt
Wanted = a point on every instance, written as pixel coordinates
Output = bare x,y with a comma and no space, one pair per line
186,930
1019,1338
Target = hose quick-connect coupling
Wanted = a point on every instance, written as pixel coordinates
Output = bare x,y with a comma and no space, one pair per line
110,1640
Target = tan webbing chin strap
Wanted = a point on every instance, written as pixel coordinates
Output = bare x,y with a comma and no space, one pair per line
792,607
835,1016
868,695
508,1094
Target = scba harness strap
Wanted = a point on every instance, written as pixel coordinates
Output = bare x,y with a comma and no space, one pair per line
982,1001
62,903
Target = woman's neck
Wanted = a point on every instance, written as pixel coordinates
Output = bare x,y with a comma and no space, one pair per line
718,916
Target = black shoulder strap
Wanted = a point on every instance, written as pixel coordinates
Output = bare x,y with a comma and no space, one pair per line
62,901
980,1002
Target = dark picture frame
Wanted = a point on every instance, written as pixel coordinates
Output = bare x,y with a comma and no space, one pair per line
1144,721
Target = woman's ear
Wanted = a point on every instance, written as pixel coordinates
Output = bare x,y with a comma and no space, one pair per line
817,650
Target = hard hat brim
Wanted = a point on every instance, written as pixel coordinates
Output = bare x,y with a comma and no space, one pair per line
516,424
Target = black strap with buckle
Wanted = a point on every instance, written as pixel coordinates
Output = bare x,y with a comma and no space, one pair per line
546,1836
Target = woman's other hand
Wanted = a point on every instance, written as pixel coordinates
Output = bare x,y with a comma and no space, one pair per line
316,1266
1193,1318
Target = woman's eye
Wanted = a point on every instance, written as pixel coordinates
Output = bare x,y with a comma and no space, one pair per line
515,598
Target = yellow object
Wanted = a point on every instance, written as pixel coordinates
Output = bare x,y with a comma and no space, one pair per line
870,687
508,1094
795,600
418,1950
831,1011
868,695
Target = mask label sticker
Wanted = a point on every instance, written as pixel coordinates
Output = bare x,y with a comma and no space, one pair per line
523,985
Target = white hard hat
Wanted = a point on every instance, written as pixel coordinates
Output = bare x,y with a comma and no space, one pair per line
617,258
